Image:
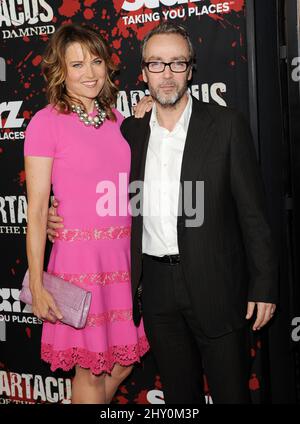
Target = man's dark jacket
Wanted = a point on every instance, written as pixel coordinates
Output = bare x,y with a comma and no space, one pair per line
228,260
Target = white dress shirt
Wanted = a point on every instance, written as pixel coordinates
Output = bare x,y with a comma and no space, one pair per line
162,183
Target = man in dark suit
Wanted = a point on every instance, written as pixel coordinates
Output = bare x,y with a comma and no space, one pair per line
196,280
197,285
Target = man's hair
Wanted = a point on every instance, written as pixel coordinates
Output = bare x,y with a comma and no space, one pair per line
169,28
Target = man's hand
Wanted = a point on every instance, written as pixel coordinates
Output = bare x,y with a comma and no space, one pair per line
54,221
143,106
265,312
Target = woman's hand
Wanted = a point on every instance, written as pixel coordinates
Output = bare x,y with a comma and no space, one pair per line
143,106
44,307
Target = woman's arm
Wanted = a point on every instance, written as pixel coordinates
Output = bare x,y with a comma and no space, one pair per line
38,181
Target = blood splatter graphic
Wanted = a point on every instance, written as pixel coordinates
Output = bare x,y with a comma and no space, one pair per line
142,397
22,61
118,5
37,60
88,14
116,59
28,332
69,8
22,177
236,5
205,384
26,114
89,3
254,383
116,43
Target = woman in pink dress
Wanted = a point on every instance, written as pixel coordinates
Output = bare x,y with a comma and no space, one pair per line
75,145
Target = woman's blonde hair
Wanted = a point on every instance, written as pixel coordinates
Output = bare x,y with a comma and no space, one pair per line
54,67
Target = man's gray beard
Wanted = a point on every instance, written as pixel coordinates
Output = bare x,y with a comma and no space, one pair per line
168,102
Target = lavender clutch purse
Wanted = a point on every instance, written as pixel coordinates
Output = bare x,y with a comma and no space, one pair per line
73,302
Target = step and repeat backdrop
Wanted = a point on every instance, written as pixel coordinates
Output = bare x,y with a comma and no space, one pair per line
218,31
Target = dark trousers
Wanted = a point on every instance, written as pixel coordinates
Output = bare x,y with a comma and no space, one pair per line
180,348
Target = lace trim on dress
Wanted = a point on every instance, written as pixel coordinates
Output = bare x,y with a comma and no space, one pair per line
101,278
96,320
97,362
110,233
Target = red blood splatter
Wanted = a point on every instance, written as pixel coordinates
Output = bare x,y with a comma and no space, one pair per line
69,8
37,60
115,59
123,390
28,332
122,400
140,77
216,17
88,14
236,5
142,397
157,383
206,388
26,39
89,3
28,56
26,114
118,4
26,85
1,150
234,44
54,19
22,177
116,43
22,61
254,383
252,353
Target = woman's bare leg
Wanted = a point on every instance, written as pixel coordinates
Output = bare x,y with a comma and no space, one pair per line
87,387
113,381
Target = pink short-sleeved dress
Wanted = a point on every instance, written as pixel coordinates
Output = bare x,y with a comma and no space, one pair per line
89,178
